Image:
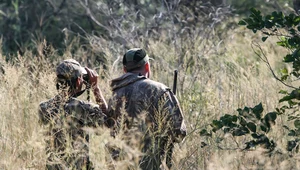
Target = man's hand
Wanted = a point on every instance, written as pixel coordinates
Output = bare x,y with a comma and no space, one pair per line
93,80
93,77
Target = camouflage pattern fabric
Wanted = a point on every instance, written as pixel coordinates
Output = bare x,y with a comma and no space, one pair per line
148,114
67,142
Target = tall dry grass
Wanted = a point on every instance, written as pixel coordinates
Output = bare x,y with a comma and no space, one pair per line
213,80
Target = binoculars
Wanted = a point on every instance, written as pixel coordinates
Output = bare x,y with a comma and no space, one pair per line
86,81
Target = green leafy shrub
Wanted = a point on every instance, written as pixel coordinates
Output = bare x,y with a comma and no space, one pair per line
250,121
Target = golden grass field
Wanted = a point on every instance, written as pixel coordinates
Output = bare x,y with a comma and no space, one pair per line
215,78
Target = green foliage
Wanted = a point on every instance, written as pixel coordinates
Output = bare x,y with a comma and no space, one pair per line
26,23
273,25
287,29
23,23
248,122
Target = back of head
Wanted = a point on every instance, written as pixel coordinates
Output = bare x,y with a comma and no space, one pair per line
134,59
67,73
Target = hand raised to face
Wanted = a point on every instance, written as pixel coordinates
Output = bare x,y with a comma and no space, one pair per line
92,76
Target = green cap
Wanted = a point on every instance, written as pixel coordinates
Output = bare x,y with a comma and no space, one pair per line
69,69
135,58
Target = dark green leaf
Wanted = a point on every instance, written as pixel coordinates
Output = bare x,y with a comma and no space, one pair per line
234,118
264,39
216,125
292,42
291,145
295,94
255,12
267,125
271,116
243,122
256,136
292,31
249,21
204,132
242,22
288,58
203,144
297,123
286,98
269,24
243,112
251,126
292,133
263,128
284,77
228,120
257,110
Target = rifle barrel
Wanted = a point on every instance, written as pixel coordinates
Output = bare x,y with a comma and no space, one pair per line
175,81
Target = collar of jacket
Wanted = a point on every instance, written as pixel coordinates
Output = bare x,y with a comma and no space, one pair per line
125,80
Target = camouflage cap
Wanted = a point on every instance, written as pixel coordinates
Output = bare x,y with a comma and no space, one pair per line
135,58
69,69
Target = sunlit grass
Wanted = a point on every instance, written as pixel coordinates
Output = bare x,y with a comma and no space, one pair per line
210,84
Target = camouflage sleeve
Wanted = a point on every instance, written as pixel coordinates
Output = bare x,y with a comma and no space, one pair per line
175,116
88,114
95,116
44,113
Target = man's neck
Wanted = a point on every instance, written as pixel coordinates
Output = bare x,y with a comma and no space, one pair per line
140,73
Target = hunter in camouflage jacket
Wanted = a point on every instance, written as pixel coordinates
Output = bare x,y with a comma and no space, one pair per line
68,117
67,140
148,108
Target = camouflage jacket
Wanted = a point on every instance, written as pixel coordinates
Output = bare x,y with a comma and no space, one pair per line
67,119
141,105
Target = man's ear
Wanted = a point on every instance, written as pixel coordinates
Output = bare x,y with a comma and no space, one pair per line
78,82
147,70
124,69
147,67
